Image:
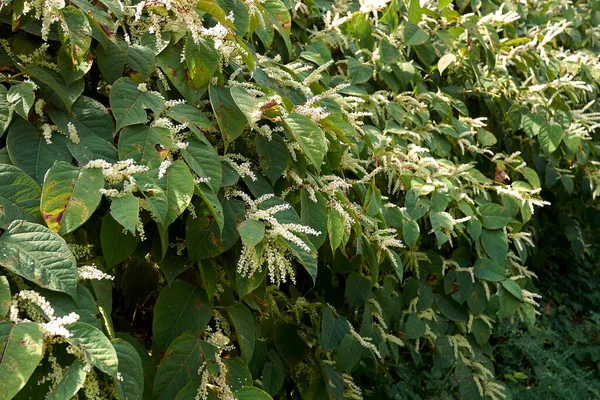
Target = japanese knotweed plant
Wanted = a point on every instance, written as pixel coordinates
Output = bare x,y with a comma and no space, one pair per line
281,198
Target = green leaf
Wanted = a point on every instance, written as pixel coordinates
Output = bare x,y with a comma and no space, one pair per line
336,226
513,288
243,322
173,265
251,231
231,120
40,256
19,196
21,351
116,56
21,97
128,103
70,196
204,160
131,384
6,110
169,61
95,347
71,382
251,393
333,330
180,308
29,151
186,114
410,233
125,210
358,289
414,327
348,353
83,304
531,176
493,217
116,244
202,59
495,244
143,144
238,374
309,136
178,367
415,11
481,332
75,33
54,88
95,129
314,214
414,35
5,296
273,375
273,156
550,137
489,270
445,61
179,185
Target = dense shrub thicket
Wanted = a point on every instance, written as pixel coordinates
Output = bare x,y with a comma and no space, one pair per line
298,199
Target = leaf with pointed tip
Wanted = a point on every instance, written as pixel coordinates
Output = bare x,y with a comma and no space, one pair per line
116,244
70,195
21,350
54,88
70,383
125,210
204,160
19,196
144,144
21,97
29,151
75,33
309,136
95,347
128,103
39,255
243,322
231,120
180,308
130,386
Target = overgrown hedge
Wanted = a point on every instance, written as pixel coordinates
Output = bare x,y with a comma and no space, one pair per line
289,199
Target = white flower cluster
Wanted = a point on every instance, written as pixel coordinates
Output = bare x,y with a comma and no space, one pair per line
162,170
119,171
239,164
88,272
55,325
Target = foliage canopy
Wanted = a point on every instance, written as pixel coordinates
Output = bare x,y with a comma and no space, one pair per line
305,199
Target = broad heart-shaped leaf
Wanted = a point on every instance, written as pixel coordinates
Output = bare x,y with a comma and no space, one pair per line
70,383
231,120
414,35
70,195
5,296
550,137
75,33
178,183
489,270
204,160
125,210
116,244
95,347
251,231
21,97
336,227
180,308
131,384
410,232
251,393
94,127
54,88
21,350
29,151
495,244
348,353
309,136
128,103
493,217
273,156
179,366
39,255
144,144
6,110
202,59
243,322
19,196
113,59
